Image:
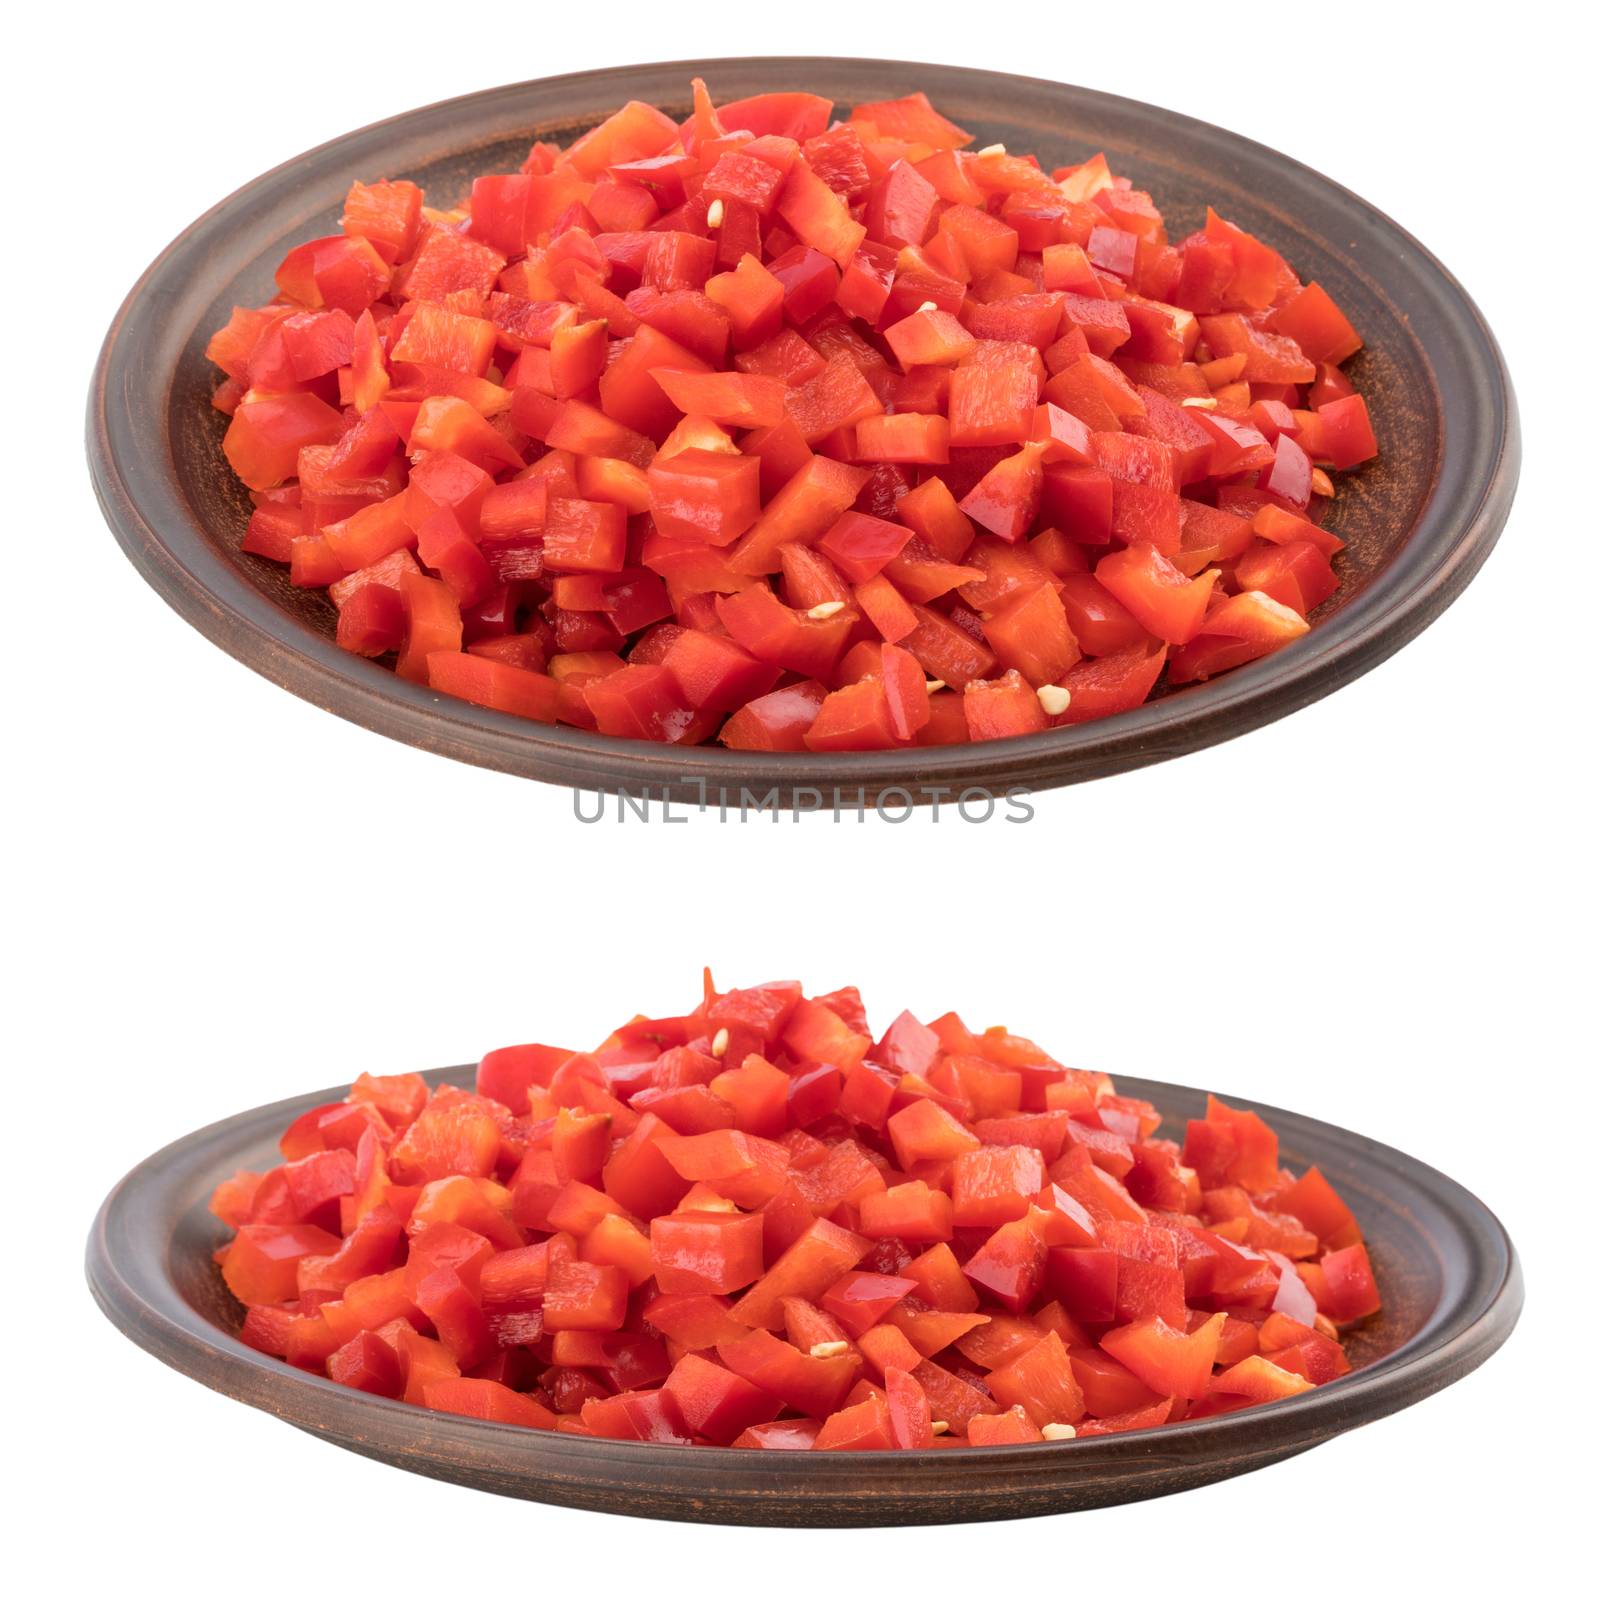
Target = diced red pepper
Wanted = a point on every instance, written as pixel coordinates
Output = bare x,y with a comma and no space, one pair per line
706,1252
756,333
699,1265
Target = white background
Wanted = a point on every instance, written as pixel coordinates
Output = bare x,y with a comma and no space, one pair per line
1375,912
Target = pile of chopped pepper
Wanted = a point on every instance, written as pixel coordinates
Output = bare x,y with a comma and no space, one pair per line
758,1226
795,433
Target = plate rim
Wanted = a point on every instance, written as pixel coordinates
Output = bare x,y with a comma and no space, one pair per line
209,589
142,1300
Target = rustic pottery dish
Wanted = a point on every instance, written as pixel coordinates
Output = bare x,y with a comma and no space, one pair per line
1418,522
1452,1290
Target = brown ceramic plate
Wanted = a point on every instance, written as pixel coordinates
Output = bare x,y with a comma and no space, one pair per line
1419,521
1451,1285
